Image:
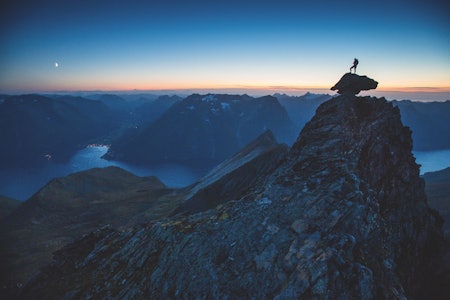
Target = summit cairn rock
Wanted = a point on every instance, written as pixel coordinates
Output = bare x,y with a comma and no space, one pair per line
352,84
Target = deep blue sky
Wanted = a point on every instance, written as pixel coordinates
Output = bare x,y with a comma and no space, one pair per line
285,45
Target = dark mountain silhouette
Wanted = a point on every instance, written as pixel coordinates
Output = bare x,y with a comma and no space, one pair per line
429,122
133,114
137,99
204,130
68,207
437,188
142,110
342,215
7,205
149,111
3,97
301,108
116,103
35,128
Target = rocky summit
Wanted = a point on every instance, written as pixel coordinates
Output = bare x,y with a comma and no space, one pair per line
352,84
342,216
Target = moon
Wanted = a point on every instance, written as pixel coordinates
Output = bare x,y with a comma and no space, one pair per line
56,65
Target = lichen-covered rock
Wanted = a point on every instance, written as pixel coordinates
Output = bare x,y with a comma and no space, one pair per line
352,84
343,217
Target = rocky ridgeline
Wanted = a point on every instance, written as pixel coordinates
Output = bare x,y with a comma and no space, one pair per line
342,216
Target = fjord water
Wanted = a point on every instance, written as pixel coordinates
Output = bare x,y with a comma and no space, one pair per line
431,161
20,184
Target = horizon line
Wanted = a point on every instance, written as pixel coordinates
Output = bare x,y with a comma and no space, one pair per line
179,88
228,87
421,93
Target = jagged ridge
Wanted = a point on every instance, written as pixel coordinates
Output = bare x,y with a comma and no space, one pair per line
345,216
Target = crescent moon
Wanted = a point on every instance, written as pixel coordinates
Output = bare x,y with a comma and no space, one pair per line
56,64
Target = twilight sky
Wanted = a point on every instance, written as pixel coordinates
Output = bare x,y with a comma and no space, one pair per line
286,46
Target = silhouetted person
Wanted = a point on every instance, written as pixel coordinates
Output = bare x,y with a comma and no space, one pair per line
355,64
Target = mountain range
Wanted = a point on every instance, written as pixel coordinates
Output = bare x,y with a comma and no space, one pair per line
149,129
35,128
342,213
429,122
205,130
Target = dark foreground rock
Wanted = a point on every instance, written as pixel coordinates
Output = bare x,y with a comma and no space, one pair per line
343,217
352,84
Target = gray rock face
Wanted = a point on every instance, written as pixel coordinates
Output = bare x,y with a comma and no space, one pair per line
352,84
344,216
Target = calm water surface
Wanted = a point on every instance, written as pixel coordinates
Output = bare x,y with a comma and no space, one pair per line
22,183
431,161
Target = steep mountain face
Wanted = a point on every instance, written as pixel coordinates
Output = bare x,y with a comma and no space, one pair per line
429,122
236,176
437,188
117,104
301,108
7,205
144,112
150,111
205,129
343,216
35,128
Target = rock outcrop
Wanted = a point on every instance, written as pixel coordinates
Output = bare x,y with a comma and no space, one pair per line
344,216
352,84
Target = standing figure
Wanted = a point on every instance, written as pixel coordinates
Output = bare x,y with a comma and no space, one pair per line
355,64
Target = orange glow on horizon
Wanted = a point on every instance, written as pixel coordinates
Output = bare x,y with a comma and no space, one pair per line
413,89
441,92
